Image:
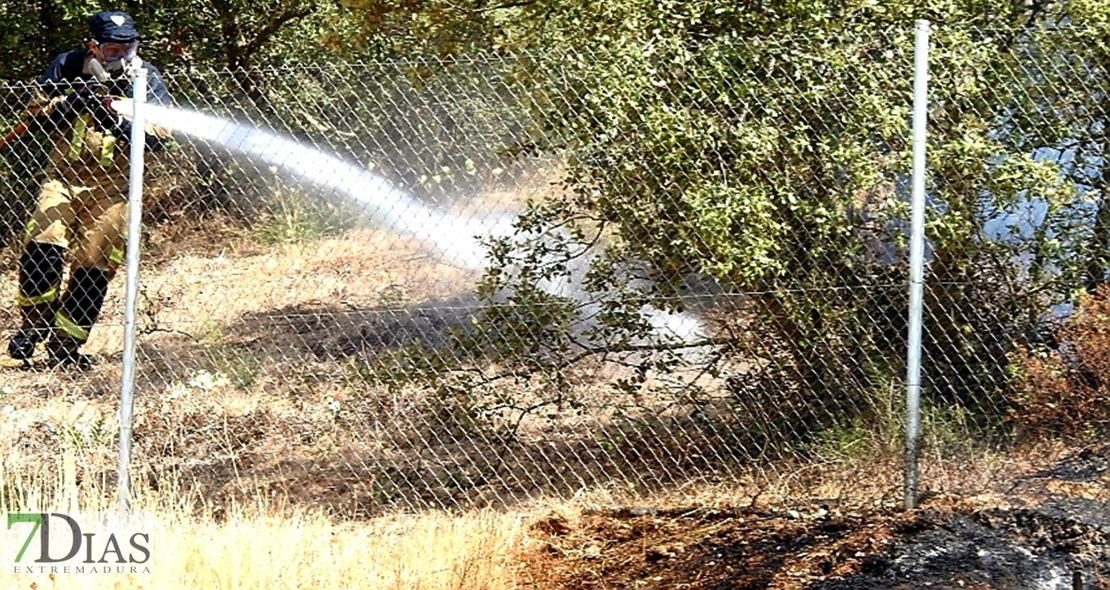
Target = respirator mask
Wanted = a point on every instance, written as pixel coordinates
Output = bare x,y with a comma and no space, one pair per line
119,58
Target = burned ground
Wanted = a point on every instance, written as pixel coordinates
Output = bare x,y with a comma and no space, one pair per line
1047,529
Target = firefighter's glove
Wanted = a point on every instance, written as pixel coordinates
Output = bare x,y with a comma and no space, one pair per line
82,100
107,119
64,110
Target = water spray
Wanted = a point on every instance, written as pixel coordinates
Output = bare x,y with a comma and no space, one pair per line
386,204
458,237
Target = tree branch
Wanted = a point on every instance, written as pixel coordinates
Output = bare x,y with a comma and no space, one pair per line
503,6
229,30
267,32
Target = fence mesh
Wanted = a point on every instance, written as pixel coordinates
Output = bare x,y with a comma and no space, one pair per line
476,281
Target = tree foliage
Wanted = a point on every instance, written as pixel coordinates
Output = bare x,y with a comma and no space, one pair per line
764,146
767,146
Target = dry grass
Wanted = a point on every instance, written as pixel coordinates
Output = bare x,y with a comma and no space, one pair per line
361,269
250,475
260,545
249,381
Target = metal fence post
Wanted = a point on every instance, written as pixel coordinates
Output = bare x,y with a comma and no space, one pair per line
917,259
134,227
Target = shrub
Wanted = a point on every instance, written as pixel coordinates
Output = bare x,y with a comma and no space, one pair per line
1064,390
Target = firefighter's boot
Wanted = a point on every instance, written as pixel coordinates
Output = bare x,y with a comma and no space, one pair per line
64,351
40,276
80,307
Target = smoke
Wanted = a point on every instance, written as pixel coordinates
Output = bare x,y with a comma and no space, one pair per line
459,238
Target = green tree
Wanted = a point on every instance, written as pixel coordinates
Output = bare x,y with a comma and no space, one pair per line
766,146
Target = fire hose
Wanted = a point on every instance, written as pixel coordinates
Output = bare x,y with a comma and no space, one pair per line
16,131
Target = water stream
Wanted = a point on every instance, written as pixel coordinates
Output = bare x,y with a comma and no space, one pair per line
459,238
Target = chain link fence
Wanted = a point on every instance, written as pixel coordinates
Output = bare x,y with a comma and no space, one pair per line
477,281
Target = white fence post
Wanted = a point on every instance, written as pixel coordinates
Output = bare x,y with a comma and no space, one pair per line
134,227
917,259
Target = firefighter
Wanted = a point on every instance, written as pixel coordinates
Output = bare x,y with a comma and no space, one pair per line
81,211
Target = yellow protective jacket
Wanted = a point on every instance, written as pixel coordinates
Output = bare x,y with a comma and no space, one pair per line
90,141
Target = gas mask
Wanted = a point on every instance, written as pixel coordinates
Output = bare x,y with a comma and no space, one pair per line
119,59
